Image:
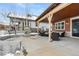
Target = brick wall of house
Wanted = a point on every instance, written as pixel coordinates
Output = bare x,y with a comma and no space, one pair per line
67,25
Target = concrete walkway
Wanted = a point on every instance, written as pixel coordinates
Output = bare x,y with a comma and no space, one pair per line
40,46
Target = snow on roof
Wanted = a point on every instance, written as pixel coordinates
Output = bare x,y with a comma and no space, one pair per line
32,18
24,17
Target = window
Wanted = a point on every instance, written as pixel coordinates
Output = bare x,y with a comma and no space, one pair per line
59,25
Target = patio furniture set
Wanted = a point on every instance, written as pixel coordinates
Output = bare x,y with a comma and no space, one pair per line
54,35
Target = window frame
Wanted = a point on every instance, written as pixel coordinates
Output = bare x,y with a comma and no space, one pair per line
60,27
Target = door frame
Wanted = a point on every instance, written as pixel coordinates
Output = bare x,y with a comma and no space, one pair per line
71,19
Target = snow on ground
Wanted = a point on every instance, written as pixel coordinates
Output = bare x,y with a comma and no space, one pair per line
9,46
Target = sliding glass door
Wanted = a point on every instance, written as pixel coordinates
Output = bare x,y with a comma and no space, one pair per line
75,27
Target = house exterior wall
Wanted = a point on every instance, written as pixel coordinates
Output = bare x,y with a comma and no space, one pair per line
21,25
66,25
32,26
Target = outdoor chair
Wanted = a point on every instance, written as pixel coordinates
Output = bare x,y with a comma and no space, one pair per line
55,36
43,33
62,34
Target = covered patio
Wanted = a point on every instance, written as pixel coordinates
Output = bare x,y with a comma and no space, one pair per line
57,12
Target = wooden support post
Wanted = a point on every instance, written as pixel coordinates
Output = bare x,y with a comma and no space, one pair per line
37,27
49,20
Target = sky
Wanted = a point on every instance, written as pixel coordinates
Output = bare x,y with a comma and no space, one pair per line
21,9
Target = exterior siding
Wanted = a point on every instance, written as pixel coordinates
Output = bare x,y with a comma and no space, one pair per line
67,26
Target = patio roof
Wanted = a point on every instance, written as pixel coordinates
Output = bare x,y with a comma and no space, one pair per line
52,6
67,12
